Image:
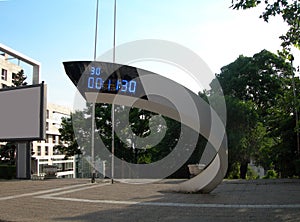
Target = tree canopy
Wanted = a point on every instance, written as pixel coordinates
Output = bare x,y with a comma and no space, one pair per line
260,112
18,79
138,123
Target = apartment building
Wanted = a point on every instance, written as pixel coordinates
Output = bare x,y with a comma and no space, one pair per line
44,152
7,69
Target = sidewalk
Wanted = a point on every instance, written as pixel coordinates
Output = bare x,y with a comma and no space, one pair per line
79,200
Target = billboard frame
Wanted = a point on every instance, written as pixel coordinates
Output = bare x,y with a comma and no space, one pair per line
42,116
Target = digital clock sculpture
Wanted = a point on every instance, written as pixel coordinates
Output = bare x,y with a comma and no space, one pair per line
103,82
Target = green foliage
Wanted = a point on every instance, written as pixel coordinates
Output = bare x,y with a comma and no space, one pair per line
241,126
289,12
282,127
18,79
257,79
260,112
263,154
251,174
233,171
271,174
68,146
139,123
7,172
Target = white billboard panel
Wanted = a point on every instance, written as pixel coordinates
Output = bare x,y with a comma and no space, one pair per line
22,113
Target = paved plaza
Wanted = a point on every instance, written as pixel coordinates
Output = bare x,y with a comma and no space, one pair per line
79,200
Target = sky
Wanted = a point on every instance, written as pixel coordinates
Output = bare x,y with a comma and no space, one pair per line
55,31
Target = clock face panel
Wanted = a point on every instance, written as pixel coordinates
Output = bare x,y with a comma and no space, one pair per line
102,77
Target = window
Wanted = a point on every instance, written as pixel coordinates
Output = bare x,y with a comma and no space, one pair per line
48,138
69,166
53,139
46,150
38,150
47,126
47,114
4,74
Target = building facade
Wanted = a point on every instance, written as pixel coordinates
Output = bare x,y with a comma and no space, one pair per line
44,152
7,69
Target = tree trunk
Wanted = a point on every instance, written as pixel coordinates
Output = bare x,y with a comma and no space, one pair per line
243,170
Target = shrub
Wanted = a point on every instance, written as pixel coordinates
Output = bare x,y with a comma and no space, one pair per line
7,171
297,166
234,172
251,174
271,174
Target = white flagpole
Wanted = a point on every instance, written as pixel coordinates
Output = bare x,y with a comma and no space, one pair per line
113,106
93,105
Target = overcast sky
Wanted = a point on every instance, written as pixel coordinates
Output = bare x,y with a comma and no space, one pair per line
63,30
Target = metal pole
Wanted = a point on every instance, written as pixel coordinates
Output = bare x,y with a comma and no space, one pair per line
96,31
93,144
112,143
93,105
115,25
113,106
295,104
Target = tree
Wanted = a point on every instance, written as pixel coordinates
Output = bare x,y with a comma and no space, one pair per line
241,128
18,79
258,79
282,127
288,10
69,146
258,93
138,123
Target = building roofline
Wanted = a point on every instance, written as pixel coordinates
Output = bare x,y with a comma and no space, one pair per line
36,65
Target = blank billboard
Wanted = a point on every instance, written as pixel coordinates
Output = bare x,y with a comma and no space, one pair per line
22,113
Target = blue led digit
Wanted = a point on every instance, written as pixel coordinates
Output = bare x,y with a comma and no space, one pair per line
91,82
124,85
132,86
98,71
93,70
99,83
108,85
118,85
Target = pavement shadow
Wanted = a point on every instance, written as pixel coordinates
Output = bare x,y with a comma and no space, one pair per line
231,193
151,213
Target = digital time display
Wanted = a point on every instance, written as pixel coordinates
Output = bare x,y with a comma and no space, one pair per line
104,77
96,81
